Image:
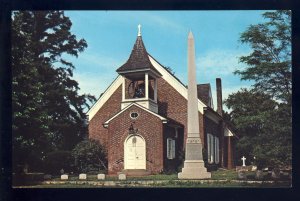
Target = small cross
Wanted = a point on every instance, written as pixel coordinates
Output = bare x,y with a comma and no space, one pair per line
139,28
243,159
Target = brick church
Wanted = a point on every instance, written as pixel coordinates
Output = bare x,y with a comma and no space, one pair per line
141,119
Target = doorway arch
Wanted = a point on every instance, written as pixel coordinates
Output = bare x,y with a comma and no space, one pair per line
134,152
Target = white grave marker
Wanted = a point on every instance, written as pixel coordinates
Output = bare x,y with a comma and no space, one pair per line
101,176
82,176
122,176
244,159
64,177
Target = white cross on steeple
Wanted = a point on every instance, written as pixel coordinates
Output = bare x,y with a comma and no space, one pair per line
139,28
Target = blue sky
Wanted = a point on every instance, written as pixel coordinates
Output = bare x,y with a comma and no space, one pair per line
111,35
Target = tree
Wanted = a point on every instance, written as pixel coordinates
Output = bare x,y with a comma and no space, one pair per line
263,128
90,155
47,109
262,115
269,64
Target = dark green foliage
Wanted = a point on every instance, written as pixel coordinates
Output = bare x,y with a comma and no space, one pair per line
89,156
47,109
57,160
264,128
262,115
269,64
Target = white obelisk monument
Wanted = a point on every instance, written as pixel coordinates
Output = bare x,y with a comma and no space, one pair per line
193,164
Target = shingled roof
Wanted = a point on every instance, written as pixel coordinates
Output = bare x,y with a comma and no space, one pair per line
138,59
203,91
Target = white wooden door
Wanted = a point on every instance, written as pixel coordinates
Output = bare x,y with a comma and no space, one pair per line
135,153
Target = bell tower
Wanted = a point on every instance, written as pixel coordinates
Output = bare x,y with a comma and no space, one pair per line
139,78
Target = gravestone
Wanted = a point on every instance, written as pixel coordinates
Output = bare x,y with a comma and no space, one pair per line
64,177
259,174
122,176
254,168
242,175
101,176
82,176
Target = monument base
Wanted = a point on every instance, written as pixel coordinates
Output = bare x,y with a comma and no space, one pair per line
194,169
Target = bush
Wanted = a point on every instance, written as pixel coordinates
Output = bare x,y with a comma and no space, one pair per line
57,160
89,156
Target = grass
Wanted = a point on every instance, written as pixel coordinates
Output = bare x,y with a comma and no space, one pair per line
168,181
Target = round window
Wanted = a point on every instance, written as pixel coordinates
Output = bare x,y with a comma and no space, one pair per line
134,115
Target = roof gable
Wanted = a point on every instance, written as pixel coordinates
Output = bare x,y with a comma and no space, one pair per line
164,120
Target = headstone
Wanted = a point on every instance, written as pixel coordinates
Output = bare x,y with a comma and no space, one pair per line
64,177
242,175
122,176
193,164
47,176
101,176
259,175
244,159
254,168
82,176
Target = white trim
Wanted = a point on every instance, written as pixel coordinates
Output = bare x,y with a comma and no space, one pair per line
118,81
105,96
228,132
123,88
174,82
160,117
146,86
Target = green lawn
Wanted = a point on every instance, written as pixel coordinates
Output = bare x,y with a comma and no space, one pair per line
223,178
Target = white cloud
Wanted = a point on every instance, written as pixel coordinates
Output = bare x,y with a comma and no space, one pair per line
92,83
219,63
93,60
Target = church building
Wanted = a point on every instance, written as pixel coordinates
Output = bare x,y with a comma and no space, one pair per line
141,119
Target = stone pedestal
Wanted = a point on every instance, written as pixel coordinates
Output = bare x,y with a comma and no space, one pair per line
193,163
194,169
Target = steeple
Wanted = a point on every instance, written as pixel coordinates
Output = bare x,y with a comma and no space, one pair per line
138,59
139,77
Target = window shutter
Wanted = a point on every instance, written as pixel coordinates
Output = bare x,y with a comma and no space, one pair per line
168,148
212,151
216,150
208,148
173,149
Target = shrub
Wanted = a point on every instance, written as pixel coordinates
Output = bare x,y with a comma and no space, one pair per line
89,156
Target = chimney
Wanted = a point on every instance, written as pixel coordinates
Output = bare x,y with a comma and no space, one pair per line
219,96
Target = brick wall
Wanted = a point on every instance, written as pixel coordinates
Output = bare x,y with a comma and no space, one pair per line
149,127
173,105
111,107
